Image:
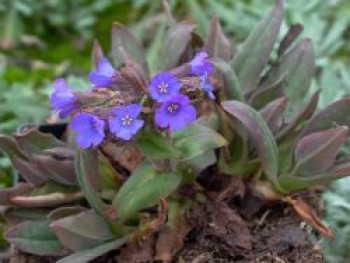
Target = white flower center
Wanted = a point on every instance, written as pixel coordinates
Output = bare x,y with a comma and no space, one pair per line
127,120
174,107
163,88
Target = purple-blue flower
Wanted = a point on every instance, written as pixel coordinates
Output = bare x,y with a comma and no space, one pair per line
90,129
124,122
103,75
200,65
164,86
176,113
63,99
207,87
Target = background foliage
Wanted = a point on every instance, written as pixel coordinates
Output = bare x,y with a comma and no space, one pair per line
41,40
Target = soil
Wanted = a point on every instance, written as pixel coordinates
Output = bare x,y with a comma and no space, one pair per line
221,234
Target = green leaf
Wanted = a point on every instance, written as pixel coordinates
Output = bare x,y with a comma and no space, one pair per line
316,152
88,179
196,140
153,145
177,39
83,230
86,255
87,169
35,237
125,44
143,189
263,139
253,55
334,114
231,86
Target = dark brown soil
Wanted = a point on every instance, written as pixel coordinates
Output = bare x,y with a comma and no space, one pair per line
220,234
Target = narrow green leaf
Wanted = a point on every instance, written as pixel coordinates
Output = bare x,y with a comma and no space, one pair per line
35,237
252,57
86,169
83,230
154,145
143,189
260,133
196,140
231,86
86,255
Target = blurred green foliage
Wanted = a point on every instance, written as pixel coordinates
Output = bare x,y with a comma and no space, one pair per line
337,215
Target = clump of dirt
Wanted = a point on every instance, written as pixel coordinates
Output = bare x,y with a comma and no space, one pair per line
275,235
221,231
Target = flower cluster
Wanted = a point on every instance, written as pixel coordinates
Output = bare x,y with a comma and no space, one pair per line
173,110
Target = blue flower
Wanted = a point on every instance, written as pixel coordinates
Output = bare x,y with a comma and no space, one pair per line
164,86
200,65
90,129
123,121
176,113
104,74
63,99
207,87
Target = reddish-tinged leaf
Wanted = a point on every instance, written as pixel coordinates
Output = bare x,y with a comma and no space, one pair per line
260,133
29,171
65,211
84,230
124,41
216,43
316,152
34,141
7,194
301,116
97,53
292,34
272,113
178,38
306,214
334,114
86,255
265,94
10,147
252,57
297,67
61,171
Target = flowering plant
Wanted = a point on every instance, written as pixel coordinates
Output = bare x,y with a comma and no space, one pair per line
135,140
